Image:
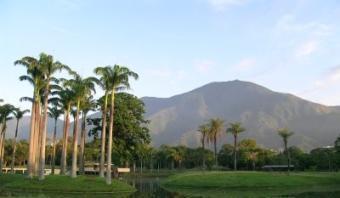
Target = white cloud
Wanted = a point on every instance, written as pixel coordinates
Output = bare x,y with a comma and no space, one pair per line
223,4
306,48
327,80
245,64
203,66
288,23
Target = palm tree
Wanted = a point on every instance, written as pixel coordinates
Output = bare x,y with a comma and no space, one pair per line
66,100
87,105
216,127
252,157
34,76
48,67
40,75
82,89
116,79
235,129
204,130
104,78
285,133
5,112
18,114
54,112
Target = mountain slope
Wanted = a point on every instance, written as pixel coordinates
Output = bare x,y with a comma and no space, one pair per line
175,120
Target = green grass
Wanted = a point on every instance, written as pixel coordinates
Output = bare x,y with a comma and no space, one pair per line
250,184
63,184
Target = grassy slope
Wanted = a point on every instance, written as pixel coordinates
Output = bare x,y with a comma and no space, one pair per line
63,184
252,184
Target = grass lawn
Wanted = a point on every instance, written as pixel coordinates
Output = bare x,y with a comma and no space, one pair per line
63,184
250,184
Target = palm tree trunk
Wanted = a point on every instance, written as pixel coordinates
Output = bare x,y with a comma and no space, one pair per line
109,147
2,145
65,142
43,134
54,145
288,157
235,152
14,146
37,139
82,145
75,144
30,164
215,149
102,150
203,147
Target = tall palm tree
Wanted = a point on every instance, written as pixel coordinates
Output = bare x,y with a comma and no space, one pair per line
66,100
82,89
285,133
40,74
235,129
18,114
5,111
54,112
105,83
48,67
117,79
216,128
204,130
87,105
35,77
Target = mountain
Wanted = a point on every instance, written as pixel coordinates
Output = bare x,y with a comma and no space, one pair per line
175,120
24,128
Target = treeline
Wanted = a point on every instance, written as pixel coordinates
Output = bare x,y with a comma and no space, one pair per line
71,96
250,157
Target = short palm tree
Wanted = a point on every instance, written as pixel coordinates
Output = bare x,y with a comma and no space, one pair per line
54,112
116,79
204,130
18,114
285,133
5,111
235,129
216,128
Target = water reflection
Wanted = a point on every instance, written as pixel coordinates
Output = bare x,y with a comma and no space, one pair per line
149,187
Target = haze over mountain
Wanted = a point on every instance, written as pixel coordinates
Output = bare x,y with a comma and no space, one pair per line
175,120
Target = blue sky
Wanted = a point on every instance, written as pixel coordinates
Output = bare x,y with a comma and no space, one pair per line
288,46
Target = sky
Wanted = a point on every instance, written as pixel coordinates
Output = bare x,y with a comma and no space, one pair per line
290,46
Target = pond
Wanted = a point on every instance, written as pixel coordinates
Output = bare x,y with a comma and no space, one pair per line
150,187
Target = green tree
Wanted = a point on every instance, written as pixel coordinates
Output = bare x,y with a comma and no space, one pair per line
285,133
18,114
117,79
235,129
